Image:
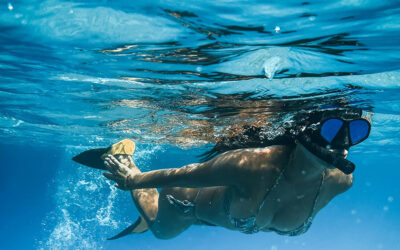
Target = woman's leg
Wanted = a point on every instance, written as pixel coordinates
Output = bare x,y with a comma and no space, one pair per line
146,200
174,217
164,218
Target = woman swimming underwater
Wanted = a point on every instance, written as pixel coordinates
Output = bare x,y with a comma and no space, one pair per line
276,185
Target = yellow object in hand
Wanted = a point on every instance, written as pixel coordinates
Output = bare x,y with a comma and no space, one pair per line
124,147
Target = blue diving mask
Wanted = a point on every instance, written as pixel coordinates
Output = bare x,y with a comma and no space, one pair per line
338,132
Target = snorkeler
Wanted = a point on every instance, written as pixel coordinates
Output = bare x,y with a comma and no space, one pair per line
277,187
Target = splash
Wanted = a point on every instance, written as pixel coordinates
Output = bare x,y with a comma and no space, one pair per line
88,206
67,234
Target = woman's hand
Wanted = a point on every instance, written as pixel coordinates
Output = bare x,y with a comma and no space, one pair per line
119,172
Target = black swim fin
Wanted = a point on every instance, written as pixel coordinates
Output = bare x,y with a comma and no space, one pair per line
92,158
140,226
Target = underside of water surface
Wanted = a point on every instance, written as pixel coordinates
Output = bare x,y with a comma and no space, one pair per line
176,77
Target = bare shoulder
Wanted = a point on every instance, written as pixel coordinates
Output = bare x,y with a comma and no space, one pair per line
254,168
254,160
337,181
247,155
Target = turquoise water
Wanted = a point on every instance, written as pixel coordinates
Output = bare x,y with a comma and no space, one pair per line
173,75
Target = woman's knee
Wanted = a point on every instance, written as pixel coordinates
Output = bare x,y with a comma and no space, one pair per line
162,232
170,222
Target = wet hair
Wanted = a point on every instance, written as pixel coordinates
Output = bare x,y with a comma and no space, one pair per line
304,123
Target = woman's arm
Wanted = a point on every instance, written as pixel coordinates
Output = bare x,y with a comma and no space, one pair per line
222,171
237,167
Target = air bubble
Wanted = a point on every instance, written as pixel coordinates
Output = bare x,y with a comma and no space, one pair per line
313,126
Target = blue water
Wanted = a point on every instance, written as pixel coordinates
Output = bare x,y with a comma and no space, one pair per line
174,75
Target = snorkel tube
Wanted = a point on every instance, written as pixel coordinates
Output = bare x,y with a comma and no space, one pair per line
342,164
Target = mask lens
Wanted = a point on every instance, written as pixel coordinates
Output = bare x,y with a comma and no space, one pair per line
359,131
330,128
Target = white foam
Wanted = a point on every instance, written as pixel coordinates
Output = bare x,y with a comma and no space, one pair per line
68,234
87,205
104,214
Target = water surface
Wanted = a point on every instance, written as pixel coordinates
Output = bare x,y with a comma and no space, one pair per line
174,76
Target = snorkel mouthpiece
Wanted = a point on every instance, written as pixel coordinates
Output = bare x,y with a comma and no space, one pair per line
345,166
